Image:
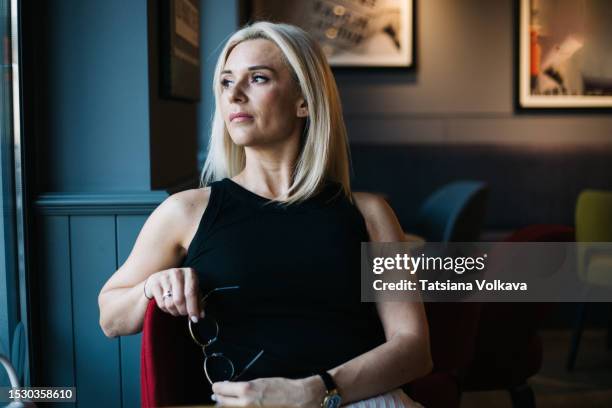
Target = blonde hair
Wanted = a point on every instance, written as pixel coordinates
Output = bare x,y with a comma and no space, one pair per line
324,151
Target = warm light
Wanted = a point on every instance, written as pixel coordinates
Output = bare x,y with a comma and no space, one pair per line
331,33
339,10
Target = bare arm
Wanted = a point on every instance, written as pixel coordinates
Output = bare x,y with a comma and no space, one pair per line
158,250
406,354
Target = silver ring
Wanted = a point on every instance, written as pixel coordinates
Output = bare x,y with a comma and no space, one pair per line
167,294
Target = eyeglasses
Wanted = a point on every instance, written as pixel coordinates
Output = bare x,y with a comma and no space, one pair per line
217,367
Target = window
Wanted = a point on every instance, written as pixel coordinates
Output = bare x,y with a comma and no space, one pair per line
13,306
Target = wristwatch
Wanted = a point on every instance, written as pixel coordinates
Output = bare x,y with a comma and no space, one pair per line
332,396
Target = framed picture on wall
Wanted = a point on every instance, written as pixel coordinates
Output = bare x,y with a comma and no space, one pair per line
352,33
565,54
180,49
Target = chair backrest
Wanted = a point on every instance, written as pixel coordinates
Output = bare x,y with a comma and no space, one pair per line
507,332
454,213
594,216
538,311
542,233
594,224
170,362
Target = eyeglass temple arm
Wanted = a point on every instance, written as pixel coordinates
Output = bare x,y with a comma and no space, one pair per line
248,365
203,299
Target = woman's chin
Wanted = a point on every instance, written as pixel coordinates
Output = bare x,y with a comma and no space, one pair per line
245,140
248,139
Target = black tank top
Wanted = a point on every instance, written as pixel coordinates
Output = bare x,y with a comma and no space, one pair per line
298,269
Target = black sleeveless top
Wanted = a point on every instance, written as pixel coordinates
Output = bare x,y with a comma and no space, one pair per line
298,269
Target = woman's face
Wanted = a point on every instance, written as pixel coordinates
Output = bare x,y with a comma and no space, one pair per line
255,82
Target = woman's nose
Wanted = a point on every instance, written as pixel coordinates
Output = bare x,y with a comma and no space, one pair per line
236,93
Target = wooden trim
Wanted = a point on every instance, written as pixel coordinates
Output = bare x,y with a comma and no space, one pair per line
98,203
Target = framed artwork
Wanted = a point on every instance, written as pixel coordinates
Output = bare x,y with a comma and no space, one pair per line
565,54
352,33
180,49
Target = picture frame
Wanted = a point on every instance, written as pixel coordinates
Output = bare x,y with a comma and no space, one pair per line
352,33
180,49
564,60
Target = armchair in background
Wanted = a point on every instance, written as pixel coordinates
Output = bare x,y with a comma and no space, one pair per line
593,224
453,213
508,348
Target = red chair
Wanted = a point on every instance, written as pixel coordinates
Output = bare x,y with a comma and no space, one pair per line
170,362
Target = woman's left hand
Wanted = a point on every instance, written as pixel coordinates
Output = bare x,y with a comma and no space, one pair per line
270,392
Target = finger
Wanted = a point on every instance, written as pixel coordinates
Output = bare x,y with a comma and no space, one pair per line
192,295
231,388
178,296
157,292
168,301
233,401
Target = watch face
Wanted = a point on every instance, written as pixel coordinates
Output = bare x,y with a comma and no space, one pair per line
333,401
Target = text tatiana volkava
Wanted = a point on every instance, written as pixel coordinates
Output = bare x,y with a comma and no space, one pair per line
427,285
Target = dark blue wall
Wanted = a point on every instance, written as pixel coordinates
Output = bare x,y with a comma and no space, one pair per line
96,136
219,19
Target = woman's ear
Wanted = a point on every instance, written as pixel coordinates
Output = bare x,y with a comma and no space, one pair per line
302,108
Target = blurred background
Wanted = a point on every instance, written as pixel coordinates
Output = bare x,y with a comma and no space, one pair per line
99,125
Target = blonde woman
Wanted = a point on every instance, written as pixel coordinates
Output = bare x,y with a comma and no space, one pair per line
279,225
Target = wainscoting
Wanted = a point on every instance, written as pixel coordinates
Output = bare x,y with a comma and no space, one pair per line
527,184
81,240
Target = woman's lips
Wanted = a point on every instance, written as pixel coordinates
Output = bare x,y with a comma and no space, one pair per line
240,117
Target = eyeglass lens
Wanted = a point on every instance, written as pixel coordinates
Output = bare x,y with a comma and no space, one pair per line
218,368
205,330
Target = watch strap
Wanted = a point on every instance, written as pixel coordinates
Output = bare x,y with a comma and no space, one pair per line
330,384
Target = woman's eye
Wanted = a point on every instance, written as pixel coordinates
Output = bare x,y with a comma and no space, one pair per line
259,78
225,83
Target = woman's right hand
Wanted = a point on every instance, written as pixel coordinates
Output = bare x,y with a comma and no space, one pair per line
182,285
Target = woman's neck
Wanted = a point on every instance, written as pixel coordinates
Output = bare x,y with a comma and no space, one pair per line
269,172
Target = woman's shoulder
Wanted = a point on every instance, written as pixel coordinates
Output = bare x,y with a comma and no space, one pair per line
369,204
380,219
186,208
192,200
